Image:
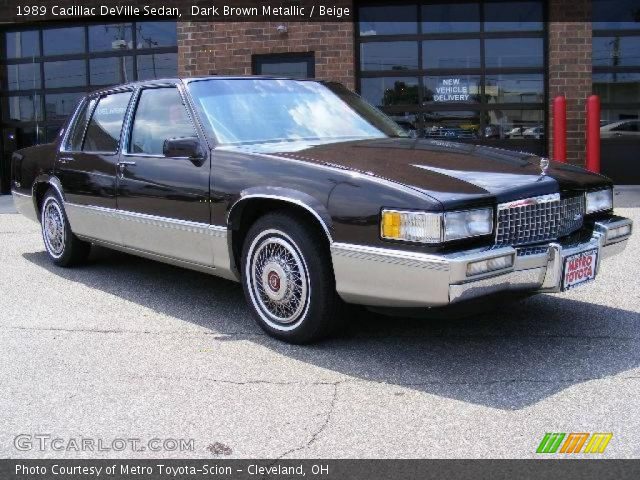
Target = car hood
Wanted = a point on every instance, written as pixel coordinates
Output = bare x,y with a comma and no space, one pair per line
447,171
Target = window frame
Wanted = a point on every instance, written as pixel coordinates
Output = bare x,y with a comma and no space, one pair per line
601,69
287,57
483,107
71,124
131,116
99,96
617,153
86,55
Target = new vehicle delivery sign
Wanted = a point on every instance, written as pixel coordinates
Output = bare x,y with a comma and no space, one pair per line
452,90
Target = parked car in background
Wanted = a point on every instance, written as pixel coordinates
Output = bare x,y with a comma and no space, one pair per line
515,132
534,132
623,128
451,133
309,197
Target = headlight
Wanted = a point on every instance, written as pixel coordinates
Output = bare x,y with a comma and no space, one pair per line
429,227
599,200
424,227
470,223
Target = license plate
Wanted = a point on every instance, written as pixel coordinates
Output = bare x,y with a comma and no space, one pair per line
579,268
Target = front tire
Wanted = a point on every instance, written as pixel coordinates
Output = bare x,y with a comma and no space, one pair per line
62,246
288,278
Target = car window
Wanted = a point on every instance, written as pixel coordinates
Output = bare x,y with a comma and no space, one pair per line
242,111
103,132
160,115
76,132
628,126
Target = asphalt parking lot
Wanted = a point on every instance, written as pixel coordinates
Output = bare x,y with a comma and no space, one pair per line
132,349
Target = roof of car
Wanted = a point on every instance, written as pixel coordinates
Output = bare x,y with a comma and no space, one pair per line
244,77
174,80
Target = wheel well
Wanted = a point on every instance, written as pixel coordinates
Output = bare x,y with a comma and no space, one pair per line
39,191
253,209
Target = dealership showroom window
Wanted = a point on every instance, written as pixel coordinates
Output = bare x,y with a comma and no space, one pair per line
484,80
479,81
46,70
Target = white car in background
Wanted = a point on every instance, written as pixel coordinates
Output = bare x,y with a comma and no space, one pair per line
534,132
515,132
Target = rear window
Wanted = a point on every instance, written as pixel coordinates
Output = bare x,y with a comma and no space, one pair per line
76,133
103,132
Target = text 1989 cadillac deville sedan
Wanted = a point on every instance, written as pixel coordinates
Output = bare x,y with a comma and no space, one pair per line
309,197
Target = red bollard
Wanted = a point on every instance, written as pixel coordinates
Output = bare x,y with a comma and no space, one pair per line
560,129
593,134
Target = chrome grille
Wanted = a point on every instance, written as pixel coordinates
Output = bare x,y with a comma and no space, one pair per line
572,211
538,219
526,251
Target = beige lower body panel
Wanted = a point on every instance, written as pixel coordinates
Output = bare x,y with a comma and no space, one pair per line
25,205
193,245
94,222
380,277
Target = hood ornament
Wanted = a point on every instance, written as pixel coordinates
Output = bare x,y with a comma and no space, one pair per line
544,165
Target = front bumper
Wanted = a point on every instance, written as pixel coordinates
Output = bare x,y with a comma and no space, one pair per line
391,278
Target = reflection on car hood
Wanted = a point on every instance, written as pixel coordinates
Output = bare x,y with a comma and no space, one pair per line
447,171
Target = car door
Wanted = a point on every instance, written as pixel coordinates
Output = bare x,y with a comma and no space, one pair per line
86,165
163,201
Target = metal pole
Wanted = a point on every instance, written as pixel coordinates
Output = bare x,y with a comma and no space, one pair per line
593,134
560,129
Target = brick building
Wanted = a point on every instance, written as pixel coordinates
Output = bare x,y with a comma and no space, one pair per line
480,71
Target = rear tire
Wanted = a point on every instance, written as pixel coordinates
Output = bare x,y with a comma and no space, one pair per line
62,246
288,279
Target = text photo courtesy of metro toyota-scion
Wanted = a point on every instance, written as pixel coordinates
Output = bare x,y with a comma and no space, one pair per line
357,239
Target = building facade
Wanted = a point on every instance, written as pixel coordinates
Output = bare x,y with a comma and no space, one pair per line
479,71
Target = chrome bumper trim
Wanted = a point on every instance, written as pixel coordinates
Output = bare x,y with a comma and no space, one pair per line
517,280
390,278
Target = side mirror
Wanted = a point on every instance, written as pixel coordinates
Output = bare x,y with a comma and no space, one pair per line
185,147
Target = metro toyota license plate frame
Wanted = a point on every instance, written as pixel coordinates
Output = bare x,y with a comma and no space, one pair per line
581,273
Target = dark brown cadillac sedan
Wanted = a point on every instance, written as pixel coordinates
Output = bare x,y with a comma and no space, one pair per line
310,197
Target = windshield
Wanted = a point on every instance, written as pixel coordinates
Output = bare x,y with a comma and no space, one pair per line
265,110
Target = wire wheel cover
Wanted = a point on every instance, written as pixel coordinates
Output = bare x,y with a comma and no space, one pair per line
279,280
53,228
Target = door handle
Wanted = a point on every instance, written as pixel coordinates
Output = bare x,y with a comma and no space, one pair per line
122,164
66,159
